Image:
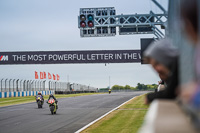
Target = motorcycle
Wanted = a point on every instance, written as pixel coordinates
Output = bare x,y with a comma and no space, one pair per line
39,101
52,106
109,91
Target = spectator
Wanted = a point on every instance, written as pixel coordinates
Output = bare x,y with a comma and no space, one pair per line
163,57
190,92
189,15
161,85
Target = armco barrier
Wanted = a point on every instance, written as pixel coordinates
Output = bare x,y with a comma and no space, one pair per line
24,93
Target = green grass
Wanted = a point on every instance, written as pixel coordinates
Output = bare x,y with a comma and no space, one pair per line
28,99
127,119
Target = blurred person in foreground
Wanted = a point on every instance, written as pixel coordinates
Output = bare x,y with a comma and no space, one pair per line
164,59
190,92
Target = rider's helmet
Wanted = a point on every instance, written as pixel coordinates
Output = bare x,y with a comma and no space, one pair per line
39,93
51,95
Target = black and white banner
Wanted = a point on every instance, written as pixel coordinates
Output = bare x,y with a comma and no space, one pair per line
65,57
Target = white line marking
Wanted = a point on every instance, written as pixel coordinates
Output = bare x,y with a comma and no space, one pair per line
83,128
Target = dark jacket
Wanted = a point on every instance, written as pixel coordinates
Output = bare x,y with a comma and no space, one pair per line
170,92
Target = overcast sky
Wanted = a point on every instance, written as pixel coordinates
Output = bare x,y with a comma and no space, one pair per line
52,25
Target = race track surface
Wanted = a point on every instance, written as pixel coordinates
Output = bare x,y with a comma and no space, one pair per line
73,113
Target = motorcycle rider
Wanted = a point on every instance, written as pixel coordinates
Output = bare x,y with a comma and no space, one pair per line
56,101
109,91
39,94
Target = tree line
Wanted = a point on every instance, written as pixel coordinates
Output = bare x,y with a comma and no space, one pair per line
138,87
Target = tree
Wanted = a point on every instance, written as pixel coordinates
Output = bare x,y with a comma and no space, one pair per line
117,87
127,87
139,86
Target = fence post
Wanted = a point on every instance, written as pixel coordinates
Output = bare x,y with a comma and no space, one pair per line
32,85
44,85
49,85
1,85
40,85
24,85
13,85
55,86
21,84
35,83
9,86
17,84
27,84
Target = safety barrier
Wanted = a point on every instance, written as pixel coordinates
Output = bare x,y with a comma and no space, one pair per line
24,93
21,88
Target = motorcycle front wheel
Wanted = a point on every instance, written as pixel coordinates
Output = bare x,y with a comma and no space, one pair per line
39,104
52,109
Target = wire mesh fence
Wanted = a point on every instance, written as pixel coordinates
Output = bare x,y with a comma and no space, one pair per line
17,85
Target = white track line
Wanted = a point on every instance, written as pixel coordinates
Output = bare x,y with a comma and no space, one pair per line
83,128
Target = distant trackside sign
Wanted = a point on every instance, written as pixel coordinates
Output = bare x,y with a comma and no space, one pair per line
66,57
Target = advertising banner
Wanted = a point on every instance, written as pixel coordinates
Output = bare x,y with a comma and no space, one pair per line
66,57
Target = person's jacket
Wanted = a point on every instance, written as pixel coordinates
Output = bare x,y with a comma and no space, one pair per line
53,98
170,92
41,96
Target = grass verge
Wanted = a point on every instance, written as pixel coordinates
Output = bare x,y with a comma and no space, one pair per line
28,99
127,119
